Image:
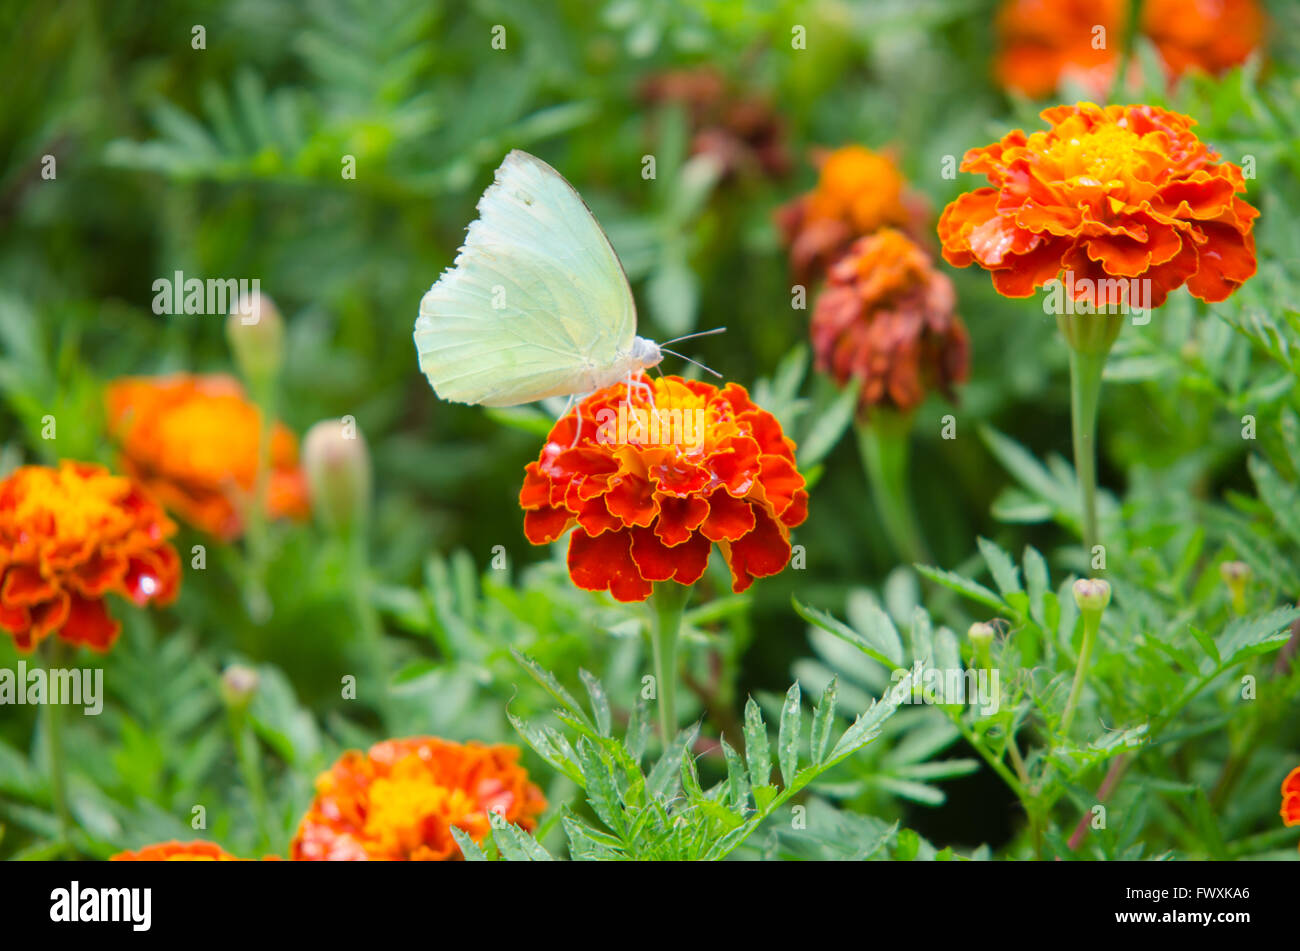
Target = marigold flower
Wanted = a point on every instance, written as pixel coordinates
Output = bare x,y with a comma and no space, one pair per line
1041,42
858,191
886,318
196,851
192,441
70,536
648,490
1291,798
1109,194
400,800
742,132
1211,35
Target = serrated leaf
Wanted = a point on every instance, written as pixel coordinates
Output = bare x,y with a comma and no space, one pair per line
823,719
599,701
1005,573
468,847
736,778
758,754
514,844
841,630
1246,636
965,586
788,733
552,686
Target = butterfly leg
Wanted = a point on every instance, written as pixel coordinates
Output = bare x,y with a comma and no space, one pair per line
577,434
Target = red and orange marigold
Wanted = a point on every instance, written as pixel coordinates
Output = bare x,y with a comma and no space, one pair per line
196,851
1291,799
400,800
858,191
648,489
886,318
192,441
1120,192
1210,35
70,536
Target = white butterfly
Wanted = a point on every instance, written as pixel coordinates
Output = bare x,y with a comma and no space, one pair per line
536,305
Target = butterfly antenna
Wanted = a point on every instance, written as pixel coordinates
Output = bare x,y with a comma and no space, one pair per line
702,333
696,362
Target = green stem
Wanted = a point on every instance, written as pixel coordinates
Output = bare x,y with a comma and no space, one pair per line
883,443
1091,625
259,601
1085,397
368,620
250,769
667,604
54,735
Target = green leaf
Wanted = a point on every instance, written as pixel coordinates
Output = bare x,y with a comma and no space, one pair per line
599,701
1247,636
841,630
552,686
1282,499
468,847
876,626
787,738
758,754
829,427
971,589
823,719
868,725
514,844
1005,573
737,781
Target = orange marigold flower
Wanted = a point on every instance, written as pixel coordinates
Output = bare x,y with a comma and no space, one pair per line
1041,42
68,537
858,191
192,441
886,318
1291,799
1108,194
649,488
1211,35
196,851
400,800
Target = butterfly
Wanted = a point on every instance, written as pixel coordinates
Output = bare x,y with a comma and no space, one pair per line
536,304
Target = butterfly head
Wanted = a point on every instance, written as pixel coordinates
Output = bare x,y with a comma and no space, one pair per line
645,353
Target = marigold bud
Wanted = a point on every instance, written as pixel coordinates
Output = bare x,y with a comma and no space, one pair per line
1092,595
337,463
255,332
981,634
238,684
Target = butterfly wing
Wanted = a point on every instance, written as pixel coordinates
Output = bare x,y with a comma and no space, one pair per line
535,301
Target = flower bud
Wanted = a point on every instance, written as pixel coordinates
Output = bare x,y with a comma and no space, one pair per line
1236,575
255,332
337,463
238,684
981,635
1092,595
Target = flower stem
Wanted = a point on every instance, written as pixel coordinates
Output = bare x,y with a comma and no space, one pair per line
250,769
367,617
54,736
884,447
667,604
258,600
1091,624
1085,396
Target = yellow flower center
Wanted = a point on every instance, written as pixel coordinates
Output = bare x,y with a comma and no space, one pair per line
74,507
402,803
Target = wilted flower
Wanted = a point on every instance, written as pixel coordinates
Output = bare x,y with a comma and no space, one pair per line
886,318
193,441
400,800
196,851
1291,799
1042,42
1111,195
1210,35
741,132
70,536
858,192
649,489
